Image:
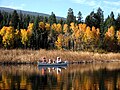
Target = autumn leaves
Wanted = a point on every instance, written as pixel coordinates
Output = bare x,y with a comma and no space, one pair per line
73,36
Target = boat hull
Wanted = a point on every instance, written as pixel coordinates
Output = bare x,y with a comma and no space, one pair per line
52,64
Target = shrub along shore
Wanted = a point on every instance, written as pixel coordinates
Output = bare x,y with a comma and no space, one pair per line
20,56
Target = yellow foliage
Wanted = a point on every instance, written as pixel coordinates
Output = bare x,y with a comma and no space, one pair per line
118,36
65,28
93,29
98,31
24,36
77,34
91,35
41,25
72,25
30,29
3,31
29,32
16,32
30,26
59,41
88,33
66,39
110,33
47,26
54,26
75,29
82,27
7,35
59,28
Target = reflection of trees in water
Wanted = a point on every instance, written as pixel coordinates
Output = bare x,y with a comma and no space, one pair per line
18,78
103,79
82,77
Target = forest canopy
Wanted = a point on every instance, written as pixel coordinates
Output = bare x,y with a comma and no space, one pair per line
18,30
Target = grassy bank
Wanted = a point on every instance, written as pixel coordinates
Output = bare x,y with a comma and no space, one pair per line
19,55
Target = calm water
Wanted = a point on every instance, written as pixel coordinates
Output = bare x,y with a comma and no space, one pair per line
73,77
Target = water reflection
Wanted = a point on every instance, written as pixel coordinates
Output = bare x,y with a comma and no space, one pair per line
73,77
51,69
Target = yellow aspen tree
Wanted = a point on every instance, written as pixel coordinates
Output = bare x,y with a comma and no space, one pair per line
72,25
110,33
59,28
30,29
82,30
24,36
88,34
90,38
54,26
82,27
7,36
59,41
47,26
74,29
30,26
75,35
3,31
94,32
98,33
66,40
110,39
41,25
65,28
118,37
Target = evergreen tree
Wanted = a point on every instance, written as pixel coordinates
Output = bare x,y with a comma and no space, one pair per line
8,19
100,20
1,17
61,21
79,17
52,18
26,21
20,23
45,20
101,26
41,18
110,21
70,16
34,37
95,19
118,22
5,19
14,19
92,20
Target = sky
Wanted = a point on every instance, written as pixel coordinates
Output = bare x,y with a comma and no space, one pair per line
60,7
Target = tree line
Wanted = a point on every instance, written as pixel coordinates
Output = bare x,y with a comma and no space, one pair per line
18,30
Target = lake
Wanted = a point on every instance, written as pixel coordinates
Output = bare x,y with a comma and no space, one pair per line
73,77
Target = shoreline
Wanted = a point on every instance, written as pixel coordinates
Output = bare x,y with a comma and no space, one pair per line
25,56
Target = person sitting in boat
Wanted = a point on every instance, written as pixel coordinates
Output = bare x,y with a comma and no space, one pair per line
59,60
44,60
50,61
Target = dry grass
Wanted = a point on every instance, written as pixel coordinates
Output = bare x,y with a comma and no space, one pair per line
35,55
